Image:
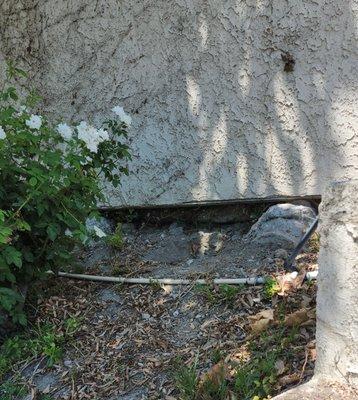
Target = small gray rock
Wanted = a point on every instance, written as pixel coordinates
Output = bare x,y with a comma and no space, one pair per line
269,261
281,253
128,229
176,230
136,394
44,381
105,224
109,295
68,363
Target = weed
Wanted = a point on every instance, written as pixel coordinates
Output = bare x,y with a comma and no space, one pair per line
120,368
77,268
43,340
224,293
186,380
118,269
155,285
45,397
72,325
213,390
207,292
271,288
257,377
116,239
216,356
119,287
131,216
11,390
228,293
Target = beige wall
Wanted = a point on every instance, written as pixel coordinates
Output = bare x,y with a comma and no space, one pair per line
337,299
215,114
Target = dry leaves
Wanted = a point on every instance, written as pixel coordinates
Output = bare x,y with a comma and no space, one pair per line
280,367
117,351
215,376
290,282
303,316
260,321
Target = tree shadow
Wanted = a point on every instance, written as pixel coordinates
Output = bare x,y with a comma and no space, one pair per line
264,130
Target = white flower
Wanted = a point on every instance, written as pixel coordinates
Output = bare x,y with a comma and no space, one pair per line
68,233
86,161
99,232
34,122
124,117
23,109
2,133
103,134
93,139
82,129
127,119
91,136
65,131
118,110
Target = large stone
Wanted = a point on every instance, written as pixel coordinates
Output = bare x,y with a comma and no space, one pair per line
282,225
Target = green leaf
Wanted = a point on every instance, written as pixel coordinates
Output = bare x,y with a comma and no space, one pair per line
22,225
20,318
28,255
9,298
52,231
33,181
12,256
5,233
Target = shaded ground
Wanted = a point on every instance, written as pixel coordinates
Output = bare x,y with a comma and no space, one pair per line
132,342
178,252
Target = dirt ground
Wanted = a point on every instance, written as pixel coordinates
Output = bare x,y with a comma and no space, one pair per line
130,340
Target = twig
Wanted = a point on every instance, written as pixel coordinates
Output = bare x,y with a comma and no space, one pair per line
304,365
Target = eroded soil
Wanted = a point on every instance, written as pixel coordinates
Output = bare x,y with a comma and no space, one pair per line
130,340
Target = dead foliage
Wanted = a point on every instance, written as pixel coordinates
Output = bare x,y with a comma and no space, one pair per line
129,340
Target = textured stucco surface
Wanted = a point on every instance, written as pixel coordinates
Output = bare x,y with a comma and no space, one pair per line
337,299
215,114
336,370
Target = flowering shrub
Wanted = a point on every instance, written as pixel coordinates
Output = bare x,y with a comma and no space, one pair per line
50,182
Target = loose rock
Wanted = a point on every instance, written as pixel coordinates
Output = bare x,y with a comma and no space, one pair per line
282,225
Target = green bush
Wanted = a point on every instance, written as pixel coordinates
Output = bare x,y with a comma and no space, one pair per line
50,182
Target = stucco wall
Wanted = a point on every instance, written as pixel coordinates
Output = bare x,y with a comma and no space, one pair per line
215,114
337,311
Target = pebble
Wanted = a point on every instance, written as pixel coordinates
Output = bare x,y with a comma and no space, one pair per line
145,316
68,363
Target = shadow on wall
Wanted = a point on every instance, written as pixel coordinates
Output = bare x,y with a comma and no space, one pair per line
280,119
218,113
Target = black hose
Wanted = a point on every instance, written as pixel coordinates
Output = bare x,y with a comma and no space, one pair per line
289,262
